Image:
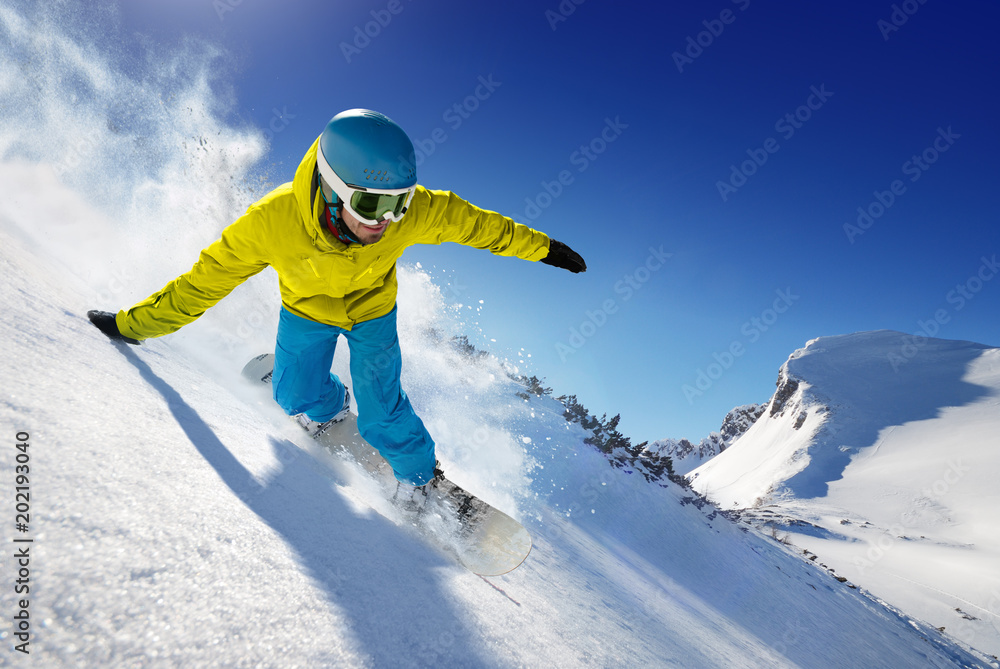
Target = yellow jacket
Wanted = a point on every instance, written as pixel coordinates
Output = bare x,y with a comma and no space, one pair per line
321,278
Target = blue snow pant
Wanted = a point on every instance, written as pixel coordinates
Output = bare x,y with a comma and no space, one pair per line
303,383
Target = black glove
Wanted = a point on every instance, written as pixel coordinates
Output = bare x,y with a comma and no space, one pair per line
105,322
563,256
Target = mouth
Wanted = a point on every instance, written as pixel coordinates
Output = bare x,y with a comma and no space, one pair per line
375,229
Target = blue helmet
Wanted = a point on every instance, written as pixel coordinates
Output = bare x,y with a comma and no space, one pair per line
368,162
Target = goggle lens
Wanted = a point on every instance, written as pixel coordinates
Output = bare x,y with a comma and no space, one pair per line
374,206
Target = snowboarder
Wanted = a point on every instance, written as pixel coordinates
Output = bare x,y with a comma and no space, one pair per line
334,235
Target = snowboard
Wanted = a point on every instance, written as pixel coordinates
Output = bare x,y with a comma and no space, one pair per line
483,539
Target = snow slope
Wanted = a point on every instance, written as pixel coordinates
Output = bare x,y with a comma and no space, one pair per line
879,454
179,520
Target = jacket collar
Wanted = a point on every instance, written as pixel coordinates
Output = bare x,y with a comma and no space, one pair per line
310,201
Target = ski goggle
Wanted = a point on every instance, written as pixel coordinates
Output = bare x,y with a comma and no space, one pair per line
376,206
372,206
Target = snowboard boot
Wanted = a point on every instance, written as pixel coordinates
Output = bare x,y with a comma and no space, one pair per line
316,429
411,499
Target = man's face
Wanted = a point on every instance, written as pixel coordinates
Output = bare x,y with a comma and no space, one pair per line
365,234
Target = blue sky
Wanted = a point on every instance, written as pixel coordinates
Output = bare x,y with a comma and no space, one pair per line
704,159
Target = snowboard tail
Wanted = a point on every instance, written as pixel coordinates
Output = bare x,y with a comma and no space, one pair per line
482,538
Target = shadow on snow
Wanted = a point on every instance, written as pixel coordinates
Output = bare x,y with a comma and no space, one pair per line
907,388
382,580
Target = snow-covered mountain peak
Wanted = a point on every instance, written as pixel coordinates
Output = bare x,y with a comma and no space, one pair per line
878,452
834,397
885,370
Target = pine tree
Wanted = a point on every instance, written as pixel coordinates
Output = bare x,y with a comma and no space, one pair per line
462,345
618,448
536,388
